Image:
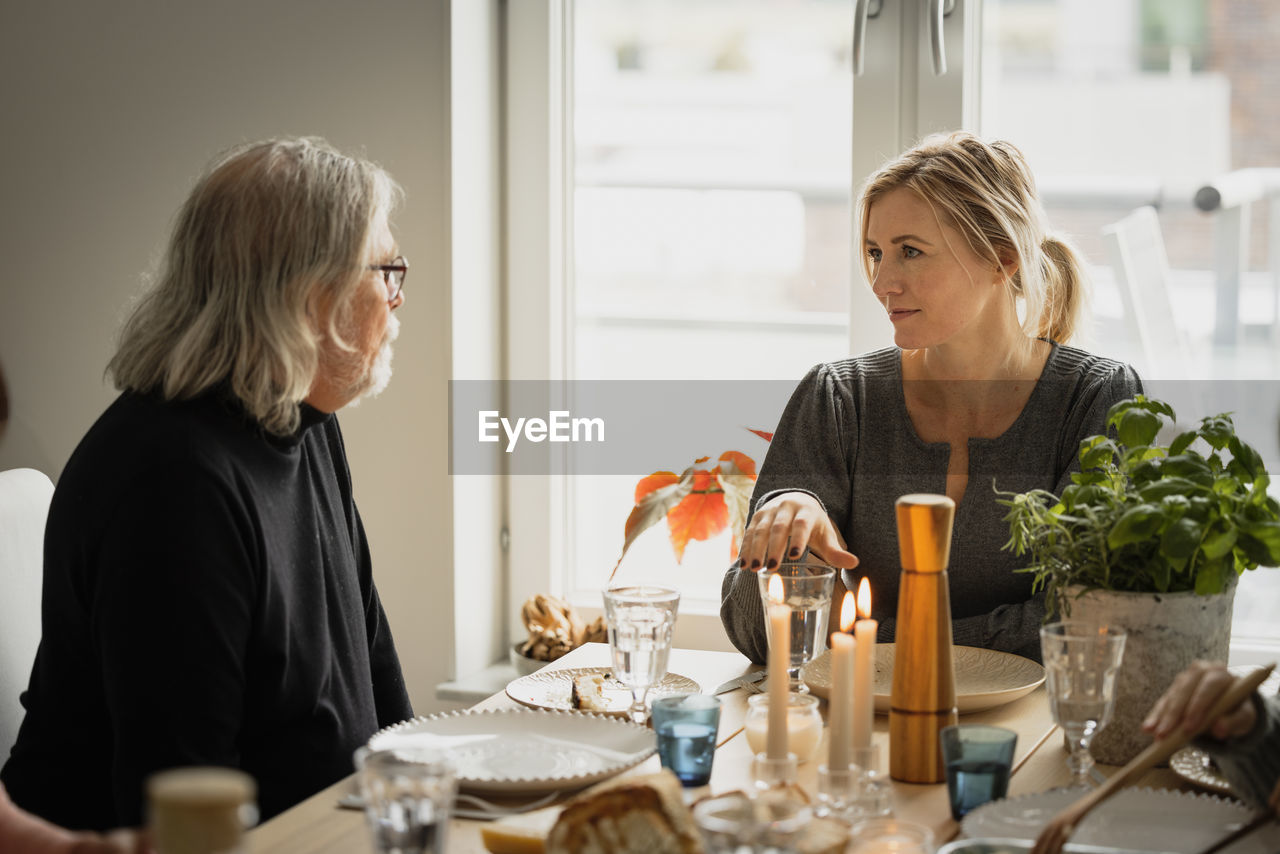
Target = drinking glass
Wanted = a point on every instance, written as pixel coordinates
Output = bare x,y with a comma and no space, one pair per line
408,793
687,725
1080,662
979,759
640,621
806,587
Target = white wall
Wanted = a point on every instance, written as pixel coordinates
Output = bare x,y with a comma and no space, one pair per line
111,110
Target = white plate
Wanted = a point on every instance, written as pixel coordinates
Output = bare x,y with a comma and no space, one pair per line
553,689
520,750
984,678
1139,819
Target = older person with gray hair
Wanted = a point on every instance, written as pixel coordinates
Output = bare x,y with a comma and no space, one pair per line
208,590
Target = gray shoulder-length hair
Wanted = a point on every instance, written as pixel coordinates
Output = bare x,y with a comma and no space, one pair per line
272,232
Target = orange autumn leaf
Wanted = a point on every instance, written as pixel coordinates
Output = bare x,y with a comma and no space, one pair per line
655,495
736,475
700,515
657,480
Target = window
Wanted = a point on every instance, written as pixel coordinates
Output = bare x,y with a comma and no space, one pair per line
680,175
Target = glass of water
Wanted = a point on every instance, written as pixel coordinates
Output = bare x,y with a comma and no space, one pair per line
806,587
640,621
1080,663
408,794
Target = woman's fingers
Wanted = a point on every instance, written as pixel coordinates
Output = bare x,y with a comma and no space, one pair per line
1186,702
784,527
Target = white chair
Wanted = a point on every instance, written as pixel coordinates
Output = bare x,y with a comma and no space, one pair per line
1137,252
24,506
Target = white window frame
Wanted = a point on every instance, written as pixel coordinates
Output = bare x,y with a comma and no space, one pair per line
538,170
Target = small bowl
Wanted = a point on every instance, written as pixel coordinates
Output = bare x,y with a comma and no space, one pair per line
523,664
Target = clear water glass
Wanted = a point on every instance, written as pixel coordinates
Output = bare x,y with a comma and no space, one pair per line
1080,662
806,587
640,620
408,794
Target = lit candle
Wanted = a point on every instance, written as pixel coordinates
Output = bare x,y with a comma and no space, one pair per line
864,669
779,680
840,720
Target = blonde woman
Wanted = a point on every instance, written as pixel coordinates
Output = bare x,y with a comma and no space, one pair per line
980,392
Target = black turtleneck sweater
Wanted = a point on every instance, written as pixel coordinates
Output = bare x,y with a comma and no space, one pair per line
208,600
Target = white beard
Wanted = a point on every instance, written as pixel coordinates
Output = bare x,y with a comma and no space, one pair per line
378,375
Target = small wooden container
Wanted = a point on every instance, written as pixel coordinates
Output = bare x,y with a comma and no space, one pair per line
923,700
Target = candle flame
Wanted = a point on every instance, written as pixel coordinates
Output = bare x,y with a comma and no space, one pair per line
847,615
864,598
776,594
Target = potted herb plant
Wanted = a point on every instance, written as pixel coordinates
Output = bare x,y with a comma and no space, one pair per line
1151,537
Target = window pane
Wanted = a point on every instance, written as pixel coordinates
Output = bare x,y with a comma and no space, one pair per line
711,224
1134,102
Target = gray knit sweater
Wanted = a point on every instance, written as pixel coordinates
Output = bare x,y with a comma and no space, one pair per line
846,438
1251,763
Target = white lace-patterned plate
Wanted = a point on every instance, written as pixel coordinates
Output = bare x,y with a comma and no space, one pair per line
553,689
1138,819
521,750
984,678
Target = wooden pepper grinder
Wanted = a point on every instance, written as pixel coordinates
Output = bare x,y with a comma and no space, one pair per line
923,700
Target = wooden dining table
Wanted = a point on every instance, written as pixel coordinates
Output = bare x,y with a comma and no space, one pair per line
319,825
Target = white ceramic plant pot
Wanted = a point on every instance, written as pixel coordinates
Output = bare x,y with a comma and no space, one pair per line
1166,633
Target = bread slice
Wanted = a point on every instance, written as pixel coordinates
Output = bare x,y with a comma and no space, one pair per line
588,693
645,814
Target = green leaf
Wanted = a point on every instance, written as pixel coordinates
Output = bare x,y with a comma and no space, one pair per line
1137,427
1181,539
1267,535
1097,452
1209,579
1160,574
1191,466
1182,441
1180,487
1136,524
1217,430
1218,543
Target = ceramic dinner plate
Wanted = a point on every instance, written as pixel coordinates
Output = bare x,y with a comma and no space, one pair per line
522,750
984,678
1137,819
553,689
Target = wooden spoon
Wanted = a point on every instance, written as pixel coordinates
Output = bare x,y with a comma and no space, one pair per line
1061,826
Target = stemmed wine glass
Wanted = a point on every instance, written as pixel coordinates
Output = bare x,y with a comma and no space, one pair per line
640,621
806,587
1080,662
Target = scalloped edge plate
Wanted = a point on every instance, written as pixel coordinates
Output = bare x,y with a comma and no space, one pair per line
553,689
522,750
985,678
1138,819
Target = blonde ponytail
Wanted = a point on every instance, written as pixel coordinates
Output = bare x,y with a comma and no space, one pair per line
1065,289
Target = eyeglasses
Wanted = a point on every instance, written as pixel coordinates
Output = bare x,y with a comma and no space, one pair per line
393,275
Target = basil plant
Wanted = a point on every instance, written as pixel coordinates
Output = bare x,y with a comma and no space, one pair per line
1149,518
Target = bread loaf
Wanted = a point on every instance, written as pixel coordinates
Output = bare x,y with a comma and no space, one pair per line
645,814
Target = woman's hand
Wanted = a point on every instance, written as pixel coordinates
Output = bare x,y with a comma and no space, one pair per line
1188,699
785,526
